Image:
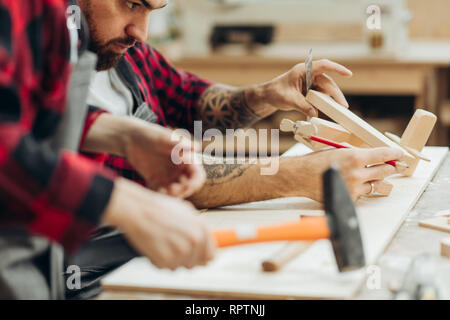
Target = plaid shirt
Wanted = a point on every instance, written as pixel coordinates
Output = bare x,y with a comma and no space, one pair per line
171,93
60,196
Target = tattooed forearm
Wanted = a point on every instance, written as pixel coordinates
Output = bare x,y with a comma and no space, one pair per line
222,173
229,184
223,107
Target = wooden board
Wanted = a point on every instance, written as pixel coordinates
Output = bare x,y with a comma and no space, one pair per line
236,271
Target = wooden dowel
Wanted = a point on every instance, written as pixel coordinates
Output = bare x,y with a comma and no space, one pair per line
285,255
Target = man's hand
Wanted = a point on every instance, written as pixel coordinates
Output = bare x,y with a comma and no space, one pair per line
287,92
306,172
148,148
166,230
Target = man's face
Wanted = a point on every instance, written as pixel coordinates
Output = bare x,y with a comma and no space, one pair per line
116,25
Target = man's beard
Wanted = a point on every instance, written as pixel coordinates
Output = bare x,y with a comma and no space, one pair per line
107,59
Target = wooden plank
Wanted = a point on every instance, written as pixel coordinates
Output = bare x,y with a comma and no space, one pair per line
236,271
353,123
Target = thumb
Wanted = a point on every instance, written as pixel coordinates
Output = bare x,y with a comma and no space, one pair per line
307,108
166,146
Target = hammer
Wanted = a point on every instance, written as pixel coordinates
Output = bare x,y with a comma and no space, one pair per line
340,225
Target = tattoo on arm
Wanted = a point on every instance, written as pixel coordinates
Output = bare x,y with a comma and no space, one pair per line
222,107
223,173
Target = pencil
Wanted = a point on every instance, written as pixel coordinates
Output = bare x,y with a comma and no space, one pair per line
340,146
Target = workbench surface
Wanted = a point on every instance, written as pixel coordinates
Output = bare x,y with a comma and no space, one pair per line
410,241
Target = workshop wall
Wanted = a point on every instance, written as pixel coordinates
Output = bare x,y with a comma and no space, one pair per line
391,91
423,26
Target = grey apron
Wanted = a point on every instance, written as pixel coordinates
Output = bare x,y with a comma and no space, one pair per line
107,249
30,266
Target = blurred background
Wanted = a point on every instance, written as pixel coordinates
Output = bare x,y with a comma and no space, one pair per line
398,50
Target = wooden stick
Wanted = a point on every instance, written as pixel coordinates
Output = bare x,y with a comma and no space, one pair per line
285,255
436,223
415,153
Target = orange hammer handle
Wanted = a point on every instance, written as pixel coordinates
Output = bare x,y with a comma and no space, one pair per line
307,229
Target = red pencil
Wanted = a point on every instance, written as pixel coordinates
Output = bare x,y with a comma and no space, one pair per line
340,146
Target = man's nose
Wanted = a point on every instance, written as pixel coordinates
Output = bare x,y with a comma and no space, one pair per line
138,30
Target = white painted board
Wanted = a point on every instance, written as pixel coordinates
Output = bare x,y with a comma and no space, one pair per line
236,271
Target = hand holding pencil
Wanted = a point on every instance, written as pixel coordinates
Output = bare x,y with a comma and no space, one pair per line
363,169
289,125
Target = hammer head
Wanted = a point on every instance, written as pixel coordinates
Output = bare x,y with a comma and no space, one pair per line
340,211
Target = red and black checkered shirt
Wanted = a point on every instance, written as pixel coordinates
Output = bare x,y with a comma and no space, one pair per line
171,93
58,196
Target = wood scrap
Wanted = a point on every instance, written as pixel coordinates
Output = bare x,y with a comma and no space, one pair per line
285,255
445,247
